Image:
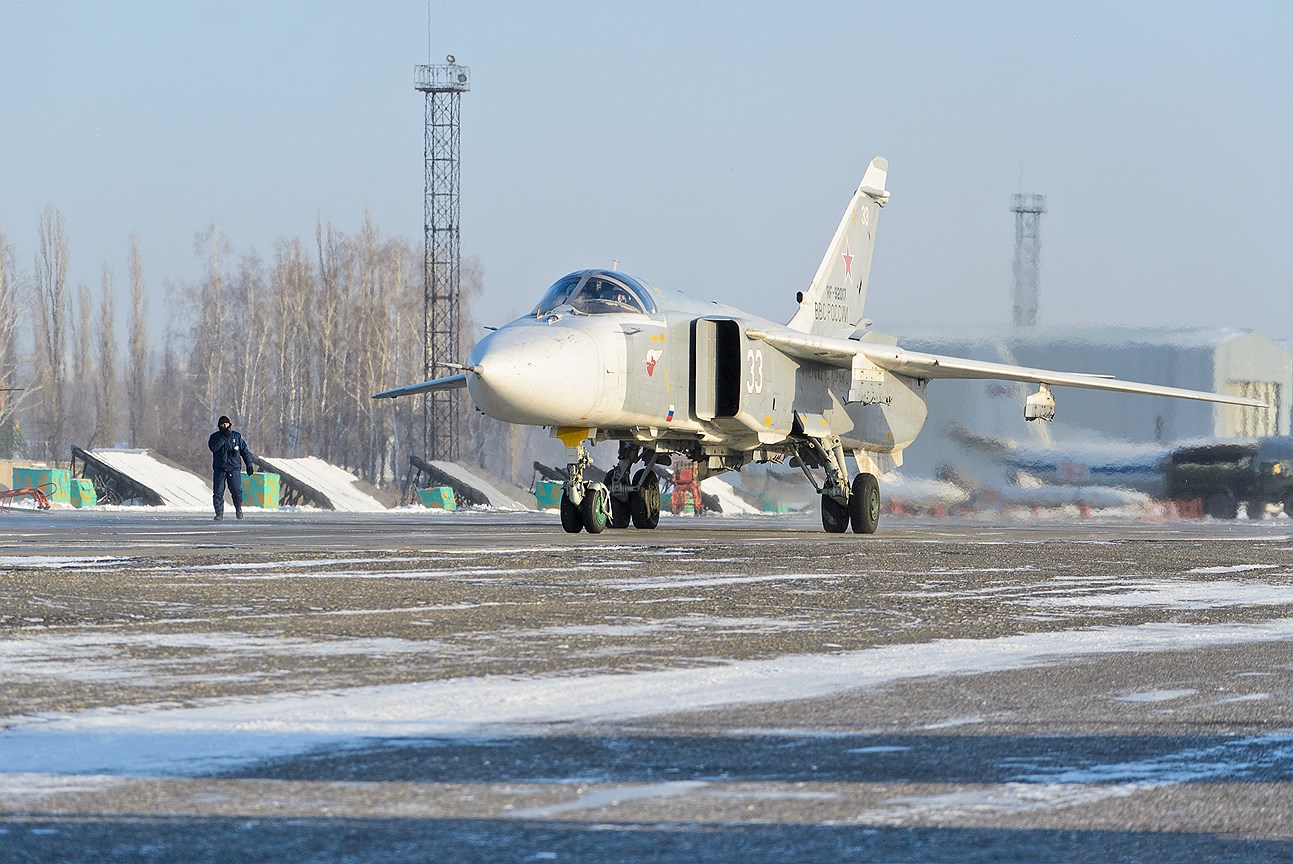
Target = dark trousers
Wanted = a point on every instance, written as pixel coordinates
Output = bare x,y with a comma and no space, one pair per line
234,481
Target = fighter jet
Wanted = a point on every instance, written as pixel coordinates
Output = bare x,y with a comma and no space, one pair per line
605,356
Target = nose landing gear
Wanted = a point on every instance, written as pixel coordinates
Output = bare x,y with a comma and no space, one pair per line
593,506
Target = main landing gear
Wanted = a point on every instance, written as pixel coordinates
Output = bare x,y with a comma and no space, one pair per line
595,506
844,505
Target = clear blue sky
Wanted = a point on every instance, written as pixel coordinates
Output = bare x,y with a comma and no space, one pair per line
709,146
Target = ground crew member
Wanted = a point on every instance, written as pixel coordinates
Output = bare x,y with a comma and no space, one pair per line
229,453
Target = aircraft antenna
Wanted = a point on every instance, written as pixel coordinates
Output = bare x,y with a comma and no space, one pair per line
1026,283
443,85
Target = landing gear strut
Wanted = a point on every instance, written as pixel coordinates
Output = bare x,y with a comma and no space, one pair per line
844,505
595,507
583,504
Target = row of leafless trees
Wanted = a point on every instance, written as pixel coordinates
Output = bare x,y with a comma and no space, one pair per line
291,348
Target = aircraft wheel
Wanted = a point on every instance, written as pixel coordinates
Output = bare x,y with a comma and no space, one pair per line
835,516
645,503
864,504
1221,505
620,512
595,508
571,520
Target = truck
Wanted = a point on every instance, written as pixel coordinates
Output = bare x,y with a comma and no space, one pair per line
1222,475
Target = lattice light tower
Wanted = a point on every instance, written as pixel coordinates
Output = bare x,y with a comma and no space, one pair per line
443,85
1026,284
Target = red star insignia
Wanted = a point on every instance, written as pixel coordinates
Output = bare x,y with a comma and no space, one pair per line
848,260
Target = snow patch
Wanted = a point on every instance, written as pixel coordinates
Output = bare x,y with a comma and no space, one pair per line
1234,568
58,562
1155,696
227,733
180,489
337,484
1167,594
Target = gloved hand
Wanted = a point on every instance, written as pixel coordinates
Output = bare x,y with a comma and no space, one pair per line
251,471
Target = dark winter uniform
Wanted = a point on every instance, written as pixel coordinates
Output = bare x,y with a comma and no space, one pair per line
229,452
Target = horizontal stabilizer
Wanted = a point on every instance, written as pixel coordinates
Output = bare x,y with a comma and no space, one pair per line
453,382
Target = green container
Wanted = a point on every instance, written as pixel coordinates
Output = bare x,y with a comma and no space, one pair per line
56,483
548,493
261,490
83,494
438,498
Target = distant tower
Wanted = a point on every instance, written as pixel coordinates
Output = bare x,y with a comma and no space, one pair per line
443,86
1024,289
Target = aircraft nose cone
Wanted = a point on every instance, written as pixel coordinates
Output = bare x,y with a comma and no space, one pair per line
537,375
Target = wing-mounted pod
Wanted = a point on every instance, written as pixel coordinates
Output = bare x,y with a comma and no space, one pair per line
740,384
1040,405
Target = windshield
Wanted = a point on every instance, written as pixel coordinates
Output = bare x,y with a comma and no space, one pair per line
558,294
594,292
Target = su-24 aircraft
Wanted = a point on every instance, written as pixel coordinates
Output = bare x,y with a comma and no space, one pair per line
605,356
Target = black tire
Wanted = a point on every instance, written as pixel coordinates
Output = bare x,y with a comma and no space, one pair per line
864,504
835,516
571,519
1221,505
620,512
645,503
595,508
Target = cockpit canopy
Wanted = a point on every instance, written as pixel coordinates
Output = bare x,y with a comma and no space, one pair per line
596,292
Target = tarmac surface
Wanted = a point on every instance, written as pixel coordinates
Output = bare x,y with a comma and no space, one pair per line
483,687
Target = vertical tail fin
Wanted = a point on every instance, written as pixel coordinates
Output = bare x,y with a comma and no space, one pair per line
832,305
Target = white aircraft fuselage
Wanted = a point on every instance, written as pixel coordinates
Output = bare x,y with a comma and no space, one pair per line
634,376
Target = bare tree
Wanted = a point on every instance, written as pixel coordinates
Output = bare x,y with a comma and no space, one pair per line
137,373
80,385
51,307
294,347
208,358
105,391
171,440
293,288
335,282
248,350
10,439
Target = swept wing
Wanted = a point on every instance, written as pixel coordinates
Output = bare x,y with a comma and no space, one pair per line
915,364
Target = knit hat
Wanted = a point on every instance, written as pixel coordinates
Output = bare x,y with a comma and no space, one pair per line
224,420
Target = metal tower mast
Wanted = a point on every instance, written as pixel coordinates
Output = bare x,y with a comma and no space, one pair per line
443,85
1026,284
